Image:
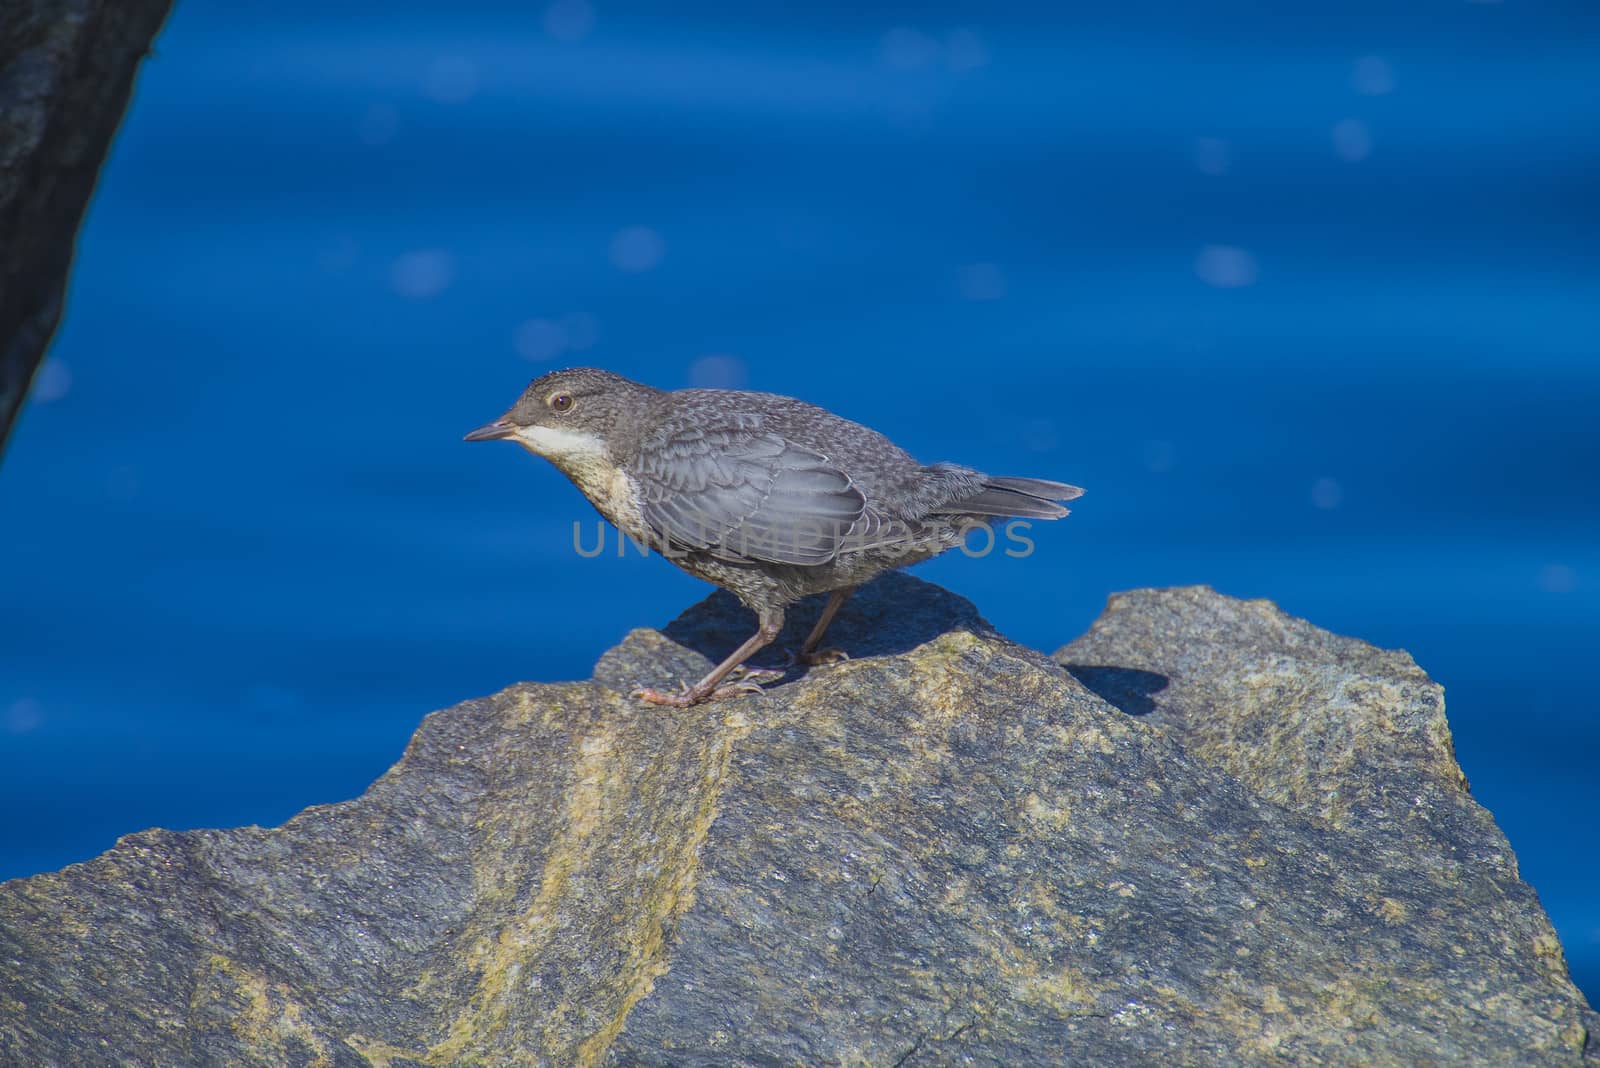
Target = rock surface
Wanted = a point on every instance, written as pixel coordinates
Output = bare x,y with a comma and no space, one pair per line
66,69
1210,834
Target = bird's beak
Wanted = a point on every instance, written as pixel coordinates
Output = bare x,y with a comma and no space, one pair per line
500,428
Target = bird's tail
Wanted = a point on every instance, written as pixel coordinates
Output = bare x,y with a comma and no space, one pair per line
1018,498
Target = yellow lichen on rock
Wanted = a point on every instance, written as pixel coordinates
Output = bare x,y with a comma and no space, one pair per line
263,1014
604,780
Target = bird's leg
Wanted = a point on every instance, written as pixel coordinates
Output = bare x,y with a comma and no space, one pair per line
836,601
708,688
809,653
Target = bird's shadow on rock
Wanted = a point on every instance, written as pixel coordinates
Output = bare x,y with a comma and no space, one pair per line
893,614
890,615
1129,689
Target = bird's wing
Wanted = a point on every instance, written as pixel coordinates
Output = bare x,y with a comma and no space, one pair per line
741,492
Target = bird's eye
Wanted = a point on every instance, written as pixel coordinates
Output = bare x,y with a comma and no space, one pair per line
561,402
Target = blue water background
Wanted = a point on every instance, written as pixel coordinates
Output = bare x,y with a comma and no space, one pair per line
1311,305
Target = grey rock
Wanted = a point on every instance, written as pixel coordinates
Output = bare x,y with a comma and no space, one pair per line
1210,834
66,69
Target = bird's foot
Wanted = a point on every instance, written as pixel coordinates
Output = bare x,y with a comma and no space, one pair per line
817,657
681,699
757,675
693,695
738,689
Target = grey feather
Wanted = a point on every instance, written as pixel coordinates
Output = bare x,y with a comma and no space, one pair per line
1005,504
1019,498
742,493
1038,487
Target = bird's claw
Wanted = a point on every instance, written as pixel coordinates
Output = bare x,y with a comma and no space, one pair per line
746,673
735,690
817,658
687,695
651,695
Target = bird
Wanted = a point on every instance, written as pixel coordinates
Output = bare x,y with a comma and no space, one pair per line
766,496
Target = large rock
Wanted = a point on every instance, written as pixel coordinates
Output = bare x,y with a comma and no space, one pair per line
1216,834
66,68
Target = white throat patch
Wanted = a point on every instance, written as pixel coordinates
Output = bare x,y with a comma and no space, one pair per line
582,458
560,445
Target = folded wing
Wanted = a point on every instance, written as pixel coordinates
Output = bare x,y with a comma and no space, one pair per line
740,492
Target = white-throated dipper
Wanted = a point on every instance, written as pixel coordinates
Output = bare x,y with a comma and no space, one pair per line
766,496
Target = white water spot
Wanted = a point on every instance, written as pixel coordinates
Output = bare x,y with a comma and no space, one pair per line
569,21
451,80
51,382
1212,156
1226,267
1352,140
422,275
964,50
719,371
1372,76
23,716
1326,494
982,281
636,249
538,340
905,48
1558,578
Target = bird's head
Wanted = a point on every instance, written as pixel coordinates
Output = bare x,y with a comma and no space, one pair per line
572,418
